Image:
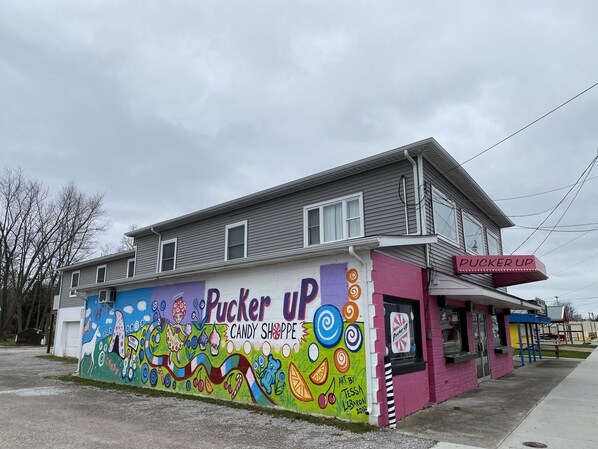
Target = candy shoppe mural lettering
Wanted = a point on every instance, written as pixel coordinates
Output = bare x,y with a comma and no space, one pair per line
299,348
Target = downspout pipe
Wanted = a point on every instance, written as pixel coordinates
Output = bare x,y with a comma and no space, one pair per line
366,330
418,175
415,191
159,248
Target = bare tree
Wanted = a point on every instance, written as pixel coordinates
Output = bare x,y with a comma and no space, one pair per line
38,234
124,244
571,312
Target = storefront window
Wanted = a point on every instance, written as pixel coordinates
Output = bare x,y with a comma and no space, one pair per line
498,331
452,324
403,335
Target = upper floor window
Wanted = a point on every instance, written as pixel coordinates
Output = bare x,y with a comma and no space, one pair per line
101,274
168,255
473,233
334,220
493,244
131,268
74,283
445,216
236,241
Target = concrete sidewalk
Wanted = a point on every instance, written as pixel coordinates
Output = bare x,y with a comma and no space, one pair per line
566,418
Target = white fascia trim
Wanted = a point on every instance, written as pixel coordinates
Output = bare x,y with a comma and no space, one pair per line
458,288
388,241
340,247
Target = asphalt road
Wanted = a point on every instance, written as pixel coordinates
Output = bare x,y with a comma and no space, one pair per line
39,411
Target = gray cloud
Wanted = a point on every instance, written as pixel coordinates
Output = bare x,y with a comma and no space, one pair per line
172,107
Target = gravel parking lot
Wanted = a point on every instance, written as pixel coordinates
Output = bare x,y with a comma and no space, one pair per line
39,411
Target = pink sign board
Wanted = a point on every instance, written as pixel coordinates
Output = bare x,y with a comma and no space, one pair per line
508,270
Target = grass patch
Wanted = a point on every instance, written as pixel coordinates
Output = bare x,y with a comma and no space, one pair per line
582,346
9,342
275,412
565,354
54,358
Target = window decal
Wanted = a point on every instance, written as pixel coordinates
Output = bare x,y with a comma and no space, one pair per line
400,340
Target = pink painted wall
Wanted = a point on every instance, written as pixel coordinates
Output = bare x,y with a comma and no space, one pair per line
400,279
447,379
500,364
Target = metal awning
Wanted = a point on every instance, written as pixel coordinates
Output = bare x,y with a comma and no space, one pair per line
458,288
506,270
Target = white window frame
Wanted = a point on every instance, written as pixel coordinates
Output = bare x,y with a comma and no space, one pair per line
233,226
132,259
105,267
343,200
482,244
73,288
160,259
489,233
438,193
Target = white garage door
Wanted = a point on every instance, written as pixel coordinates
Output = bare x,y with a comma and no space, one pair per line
72,342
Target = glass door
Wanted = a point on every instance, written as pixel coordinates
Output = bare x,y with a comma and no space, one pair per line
481,344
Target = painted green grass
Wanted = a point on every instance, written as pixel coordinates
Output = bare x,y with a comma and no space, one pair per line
355,427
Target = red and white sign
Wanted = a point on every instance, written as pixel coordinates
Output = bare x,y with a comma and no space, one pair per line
399,332
507,270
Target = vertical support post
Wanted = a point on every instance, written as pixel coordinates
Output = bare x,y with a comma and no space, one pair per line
529,353
533,343
538,339
520,344
390,394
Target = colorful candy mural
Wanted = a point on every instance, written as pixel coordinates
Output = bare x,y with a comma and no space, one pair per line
296,342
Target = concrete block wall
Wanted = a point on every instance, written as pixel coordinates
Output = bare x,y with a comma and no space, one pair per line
400,279
500,364
447,379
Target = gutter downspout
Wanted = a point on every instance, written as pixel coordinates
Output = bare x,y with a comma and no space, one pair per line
159,249
405,205
420,216
366,330
422,205
416,191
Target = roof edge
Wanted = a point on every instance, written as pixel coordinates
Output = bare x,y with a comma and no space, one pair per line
313,180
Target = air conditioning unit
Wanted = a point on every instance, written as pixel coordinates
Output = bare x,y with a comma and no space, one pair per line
107,296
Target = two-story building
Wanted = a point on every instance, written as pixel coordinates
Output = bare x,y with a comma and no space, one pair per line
365,292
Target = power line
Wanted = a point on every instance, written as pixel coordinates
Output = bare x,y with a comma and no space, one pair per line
586,172
540,193
571,266
570,241
569,206
526,126
578,289
574,231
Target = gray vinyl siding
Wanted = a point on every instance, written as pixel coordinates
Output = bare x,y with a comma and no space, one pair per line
87,276
147,254
115,270
414,254
441,254
277,225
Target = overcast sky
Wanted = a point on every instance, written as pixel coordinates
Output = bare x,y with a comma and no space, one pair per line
170,107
